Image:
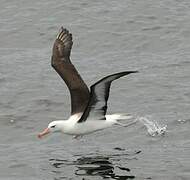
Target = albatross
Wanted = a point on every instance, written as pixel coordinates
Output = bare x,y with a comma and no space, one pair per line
88,108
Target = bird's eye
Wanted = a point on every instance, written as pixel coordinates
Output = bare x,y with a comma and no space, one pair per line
53,126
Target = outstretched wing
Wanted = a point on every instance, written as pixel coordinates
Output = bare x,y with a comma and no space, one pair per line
62,64
99,94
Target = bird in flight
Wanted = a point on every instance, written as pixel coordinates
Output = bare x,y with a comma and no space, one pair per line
88,108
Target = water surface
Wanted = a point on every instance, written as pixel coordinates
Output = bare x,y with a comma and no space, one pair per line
109,36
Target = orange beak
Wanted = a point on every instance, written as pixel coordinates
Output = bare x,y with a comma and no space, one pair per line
43,133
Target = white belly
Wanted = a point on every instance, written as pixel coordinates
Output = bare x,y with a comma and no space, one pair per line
87,127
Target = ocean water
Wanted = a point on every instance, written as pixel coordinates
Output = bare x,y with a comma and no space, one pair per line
152,37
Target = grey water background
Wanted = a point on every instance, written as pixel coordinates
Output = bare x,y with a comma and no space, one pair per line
109,36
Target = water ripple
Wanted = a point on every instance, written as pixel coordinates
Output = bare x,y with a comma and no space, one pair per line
105,166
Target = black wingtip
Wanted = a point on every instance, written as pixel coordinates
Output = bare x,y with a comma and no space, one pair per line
127,72
132,72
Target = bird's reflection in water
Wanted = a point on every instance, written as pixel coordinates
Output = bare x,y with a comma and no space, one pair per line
95,165
100,166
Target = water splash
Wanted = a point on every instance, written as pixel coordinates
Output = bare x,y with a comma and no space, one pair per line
152,126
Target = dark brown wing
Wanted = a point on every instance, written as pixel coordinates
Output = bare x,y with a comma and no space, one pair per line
62,64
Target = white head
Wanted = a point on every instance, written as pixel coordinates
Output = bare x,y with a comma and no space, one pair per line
54,126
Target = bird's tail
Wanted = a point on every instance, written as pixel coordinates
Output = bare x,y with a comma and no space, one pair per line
117,118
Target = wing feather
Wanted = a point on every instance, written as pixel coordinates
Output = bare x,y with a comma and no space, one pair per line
99,94
61,62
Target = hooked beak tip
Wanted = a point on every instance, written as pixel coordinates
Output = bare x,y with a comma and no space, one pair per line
39,136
